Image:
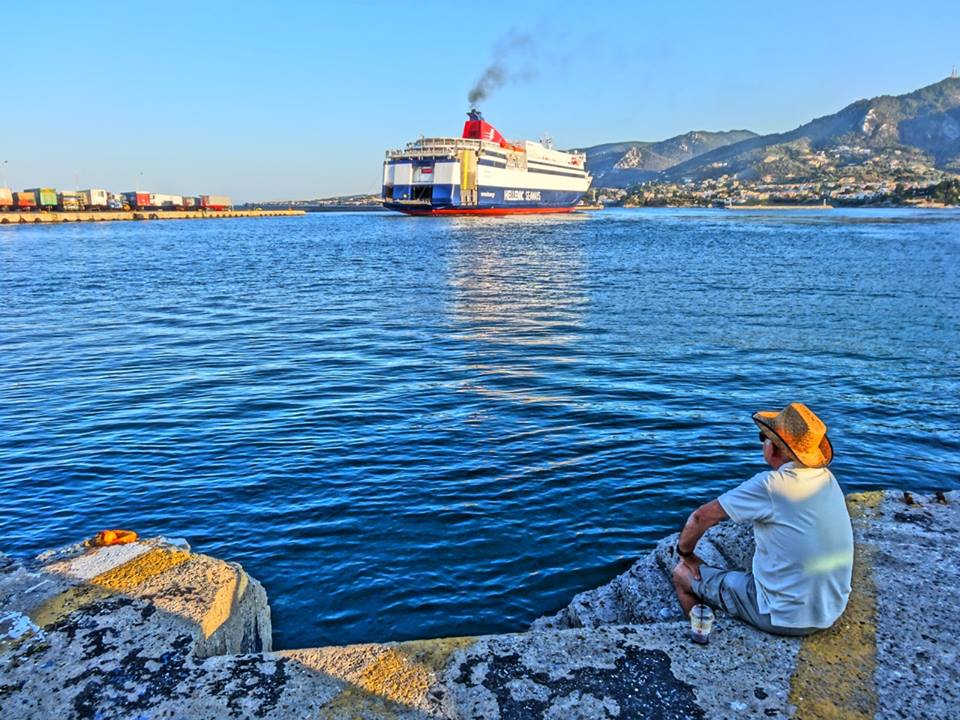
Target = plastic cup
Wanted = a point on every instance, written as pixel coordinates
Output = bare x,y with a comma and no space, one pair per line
701,623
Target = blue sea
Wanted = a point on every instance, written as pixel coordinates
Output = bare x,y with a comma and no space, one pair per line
415,427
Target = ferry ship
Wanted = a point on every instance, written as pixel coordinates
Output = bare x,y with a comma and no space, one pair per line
480,173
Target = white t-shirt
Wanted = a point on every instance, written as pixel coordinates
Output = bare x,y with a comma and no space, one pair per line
804,556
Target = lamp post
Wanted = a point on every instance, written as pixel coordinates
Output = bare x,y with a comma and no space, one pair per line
3,173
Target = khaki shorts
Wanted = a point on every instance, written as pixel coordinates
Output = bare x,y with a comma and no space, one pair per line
735,592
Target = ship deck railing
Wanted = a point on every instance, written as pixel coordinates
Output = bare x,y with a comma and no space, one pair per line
431,147
446,145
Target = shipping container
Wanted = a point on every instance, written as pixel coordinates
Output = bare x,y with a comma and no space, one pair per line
166,202
25,199
94,199
70,201
45,197
214,202
191,203
6,198
137,200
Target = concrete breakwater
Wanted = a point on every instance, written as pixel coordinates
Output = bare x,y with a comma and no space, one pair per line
24,218
153,630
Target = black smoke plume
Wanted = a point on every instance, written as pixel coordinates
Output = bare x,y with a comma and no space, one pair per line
511,63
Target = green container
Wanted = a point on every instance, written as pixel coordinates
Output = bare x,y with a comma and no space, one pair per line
46,197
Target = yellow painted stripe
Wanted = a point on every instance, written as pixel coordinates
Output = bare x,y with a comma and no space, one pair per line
862,503
382,681
833,679
404,673
130,575
123,579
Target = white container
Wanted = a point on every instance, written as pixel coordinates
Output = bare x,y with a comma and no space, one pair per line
95,198
167,202
215,201
6,197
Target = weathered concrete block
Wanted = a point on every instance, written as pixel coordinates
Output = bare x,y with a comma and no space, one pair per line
642,671
912,555
667,557
646,593
734,542
118,635
643,594
118,630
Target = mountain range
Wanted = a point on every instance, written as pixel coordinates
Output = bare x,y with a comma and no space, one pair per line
898,137
626,163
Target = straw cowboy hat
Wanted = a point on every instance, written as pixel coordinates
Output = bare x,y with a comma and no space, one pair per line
799,434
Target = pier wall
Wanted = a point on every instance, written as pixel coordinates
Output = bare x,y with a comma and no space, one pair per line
153,630
28,218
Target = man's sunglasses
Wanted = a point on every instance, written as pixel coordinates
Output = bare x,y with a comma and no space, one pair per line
763,438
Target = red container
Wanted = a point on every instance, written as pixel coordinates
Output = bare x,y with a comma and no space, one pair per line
25,200
136,199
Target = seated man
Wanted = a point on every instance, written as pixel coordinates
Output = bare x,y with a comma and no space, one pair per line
800,579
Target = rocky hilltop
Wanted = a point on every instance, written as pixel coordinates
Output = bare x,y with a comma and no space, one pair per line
898,137
623,164
901,139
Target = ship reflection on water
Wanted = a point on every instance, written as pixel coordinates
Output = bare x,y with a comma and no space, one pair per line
518,305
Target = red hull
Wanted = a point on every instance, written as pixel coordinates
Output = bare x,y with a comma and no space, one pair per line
489,211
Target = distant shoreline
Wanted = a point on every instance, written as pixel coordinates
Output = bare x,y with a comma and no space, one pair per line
316,208
777,207
44,217
860,206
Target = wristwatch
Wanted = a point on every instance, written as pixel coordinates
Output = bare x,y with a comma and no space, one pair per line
683,554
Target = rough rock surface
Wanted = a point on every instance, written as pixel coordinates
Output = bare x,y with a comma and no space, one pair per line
644,594
117,631
154,631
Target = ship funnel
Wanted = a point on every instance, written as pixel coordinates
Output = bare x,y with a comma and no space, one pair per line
476,128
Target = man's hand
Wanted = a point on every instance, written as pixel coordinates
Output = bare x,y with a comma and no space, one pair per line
688,569
684,574
693,563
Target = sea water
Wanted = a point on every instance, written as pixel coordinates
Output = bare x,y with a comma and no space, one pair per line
417,427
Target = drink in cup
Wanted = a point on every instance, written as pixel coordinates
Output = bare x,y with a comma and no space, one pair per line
701,623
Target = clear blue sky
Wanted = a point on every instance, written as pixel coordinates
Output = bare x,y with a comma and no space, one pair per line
296,100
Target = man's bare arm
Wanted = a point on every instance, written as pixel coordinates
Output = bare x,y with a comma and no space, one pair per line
700,520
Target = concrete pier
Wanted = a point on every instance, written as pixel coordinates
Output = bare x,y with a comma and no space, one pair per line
29,218
153,630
